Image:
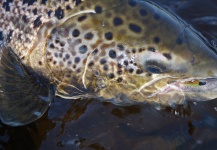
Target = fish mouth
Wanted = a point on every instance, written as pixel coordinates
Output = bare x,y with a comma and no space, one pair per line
197,89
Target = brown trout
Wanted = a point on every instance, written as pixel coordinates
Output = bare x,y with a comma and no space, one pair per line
122,51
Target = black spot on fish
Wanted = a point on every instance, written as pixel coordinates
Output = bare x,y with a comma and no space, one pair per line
139,71
168,56
98,9
62,43
143,12
88,36
119,72
69,62
83,49
111,75
67,56
112,54
9,36
156,40
77,59
82,18
179,41
102,61
56,55
75,33
152,49
135,28
126,63
120,47
60,55
43,2
52,46
132,3
119,79
77,2
6,5
133,51
95,51
119,66
40,63
37,22
24,18
49,13
105,67
109,35
117,21
131,70
59,13
91,64
35,11
68,7
30,2
202,83
1,36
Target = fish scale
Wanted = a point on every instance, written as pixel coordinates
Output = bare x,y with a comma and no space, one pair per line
121,51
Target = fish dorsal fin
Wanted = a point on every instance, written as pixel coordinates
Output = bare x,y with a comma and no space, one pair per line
23,97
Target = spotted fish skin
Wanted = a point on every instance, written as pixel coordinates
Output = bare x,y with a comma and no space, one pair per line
119,50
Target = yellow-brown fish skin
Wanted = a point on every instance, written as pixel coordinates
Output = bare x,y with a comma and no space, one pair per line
119,50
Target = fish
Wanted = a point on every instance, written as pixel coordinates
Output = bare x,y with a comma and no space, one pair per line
120,51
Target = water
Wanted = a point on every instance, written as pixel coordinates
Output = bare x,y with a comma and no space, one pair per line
91,124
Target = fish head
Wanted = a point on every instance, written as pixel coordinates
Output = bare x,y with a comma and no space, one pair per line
147,54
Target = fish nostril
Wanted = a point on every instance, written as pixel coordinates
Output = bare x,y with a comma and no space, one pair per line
202,83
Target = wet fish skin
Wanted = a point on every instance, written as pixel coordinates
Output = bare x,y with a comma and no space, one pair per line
122,51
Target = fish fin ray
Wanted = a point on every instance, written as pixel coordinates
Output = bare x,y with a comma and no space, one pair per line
21,93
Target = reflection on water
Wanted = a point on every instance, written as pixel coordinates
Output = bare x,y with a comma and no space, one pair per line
94,125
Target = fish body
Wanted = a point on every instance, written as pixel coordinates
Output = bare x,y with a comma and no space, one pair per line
123,51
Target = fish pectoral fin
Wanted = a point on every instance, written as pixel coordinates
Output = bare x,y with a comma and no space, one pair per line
23,97
71,91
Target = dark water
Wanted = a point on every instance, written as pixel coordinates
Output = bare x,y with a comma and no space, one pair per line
90,124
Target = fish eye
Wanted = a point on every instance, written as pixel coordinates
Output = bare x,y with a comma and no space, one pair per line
153,69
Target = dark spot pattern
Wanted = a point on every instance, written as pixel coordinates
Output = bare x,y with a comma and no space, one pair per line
6,5
143,12
117,21
98,9
37,22
77,59
60,55
1,36
77,2
62,44
112,54
119,66
91,64
95,51
168,56
67,56
75,33
102,61
88,36
105,67
126,63
56,55
82,18
109,35
24,18
139,71
120,47
119,72
131,70
40,63
156,40
59,13
44,2
135,28
35,11
30,2
111,75
52,46
9,36
133,51
119,79
132,3
152,49
83,49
